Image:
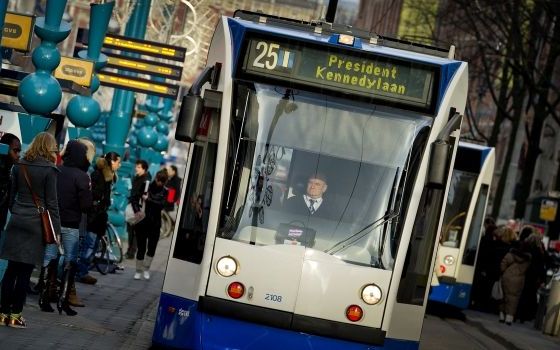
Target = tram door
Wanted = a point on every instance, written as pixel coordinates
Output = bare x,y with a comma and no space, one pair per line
188,248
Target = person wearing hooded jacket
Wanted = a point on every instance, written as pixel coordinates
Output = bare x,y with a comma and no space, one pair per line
102,179
74,199
513,268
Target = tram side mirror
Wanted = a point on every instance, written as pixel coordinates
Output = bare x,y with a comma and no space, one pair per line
189,118
437,173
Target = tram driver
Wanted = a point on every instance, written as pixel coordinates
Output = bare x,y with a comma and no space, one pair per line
312,203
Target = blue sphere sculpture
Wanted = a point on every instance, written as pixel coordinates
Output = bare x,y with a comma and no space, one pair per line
83,111
162,128
161,144
147,136
39,93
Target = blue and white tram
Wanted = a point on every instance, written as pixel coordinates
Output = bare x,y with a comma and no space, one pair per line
285,110
462,224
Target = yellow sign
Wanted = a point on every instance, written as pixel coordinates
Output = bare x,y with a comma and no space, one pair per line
17,32
138,85
76,70
141,66
548,210
144,47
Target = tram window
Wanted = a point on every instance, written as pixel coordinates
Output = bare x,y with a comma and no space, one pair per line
475,228
282,137
458,201
191,233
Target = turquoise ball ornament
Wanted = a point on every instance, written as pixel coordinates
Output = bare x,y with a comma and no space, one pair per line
162,128
46,56
83,111
132,142
147,136
39,93
151,119
161,144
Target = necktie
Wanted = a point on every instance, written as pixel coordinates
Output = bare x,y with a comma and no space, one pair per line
312,206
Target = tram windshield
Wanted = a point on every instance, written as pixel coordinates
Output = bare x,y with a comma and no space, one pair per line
316,171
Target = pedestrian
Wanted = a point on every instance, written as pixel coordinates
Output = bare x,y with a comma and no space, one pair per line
535,277
74,199
23,247
102,179
147,230
483,279
140,184
174,188
513,268
6,163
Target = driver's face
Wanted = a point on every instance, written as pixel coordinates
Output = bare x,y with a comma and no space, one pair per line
316,188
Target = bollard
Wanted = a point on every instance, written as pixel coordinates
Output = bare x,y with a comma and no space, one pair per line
551,323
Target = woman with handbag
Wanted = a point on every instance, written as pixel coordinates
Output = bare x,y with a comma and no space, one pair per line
33,199
134,208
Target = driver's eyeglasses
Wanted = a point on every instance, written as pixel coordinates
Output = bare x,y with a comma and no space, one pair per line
16,150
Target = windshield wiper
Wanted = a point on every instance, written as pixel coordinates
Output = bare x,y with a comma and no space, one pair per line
392,200
361,233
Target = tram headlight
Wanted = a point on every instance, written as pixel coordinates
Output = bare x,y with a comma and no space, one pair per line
226,266
371,294
449,260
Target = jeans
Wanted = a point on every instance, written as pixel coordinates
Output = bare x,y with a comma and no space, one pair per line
70,238
88,247
3,263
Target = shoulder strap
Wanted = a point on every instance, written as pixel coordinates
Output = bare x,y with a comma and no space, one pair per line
26,175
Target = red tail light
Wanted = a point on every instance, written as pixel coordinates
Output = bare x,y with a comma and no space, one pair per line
236,290
354,313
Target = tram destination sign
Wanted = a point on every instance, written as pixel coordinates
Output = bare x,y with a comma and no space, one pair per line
361,73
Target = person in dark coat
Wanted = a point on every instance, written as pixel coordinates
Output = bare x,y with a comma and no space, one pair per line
139,187
174,188
147,230
102,180
6,163
513,268
312,203
23,247
534,278
74,199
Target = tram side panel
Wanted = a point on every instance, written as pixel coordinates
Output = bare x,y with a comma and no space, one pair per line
415,268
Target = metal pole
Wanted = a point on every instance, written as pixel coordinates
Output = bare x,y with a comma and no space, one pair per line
331,11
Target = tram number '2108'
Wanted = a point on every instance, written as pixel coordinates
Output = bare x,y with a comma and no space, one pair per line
273,297
270,56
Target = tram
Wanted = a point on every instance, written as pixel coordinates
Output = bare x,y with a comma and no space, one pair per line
287,112
462,225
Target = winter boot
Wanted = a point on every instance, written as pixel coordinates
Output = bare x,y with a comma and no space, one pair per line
73,299
139,269
502,317
509,319
147,263
64,295
47,281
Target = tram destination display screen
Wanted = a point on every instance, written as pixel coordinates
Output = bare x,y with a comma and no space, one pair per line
361,73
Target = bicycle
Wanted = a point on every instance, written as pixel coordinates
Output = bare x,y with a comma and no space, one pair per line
109,251
167,223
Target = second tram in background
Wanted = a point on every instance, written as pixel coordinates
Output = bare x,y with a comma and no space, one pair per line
318,169
462,224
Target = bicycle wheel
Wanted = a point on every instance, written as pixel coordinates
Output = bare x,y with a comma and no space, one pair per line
166,225
102,258
116,251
